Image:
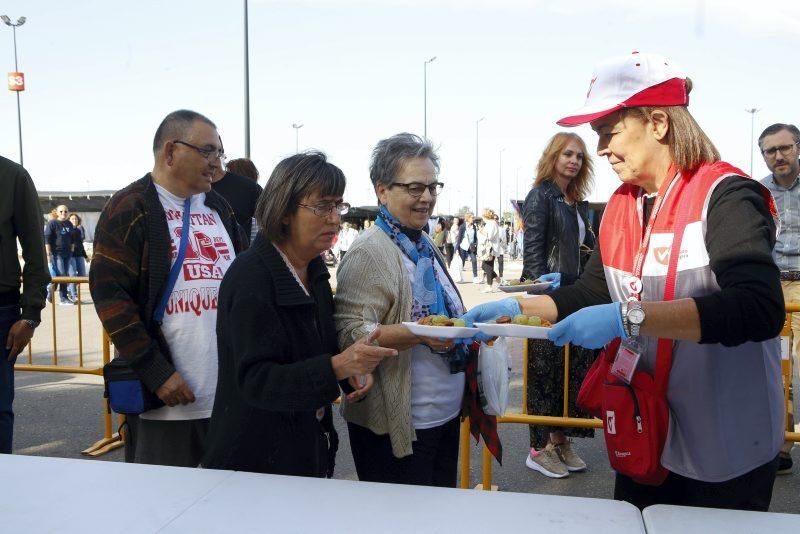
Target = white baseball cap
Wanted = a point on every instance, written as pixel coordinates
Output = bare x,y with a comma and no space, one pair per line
631,81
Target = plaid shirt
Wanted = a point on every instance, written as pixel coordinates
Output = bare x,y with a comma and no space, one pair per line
129,270
787,247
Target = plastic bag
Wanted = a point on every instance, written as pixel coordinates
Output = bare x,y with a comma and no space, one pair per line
494,376
456,268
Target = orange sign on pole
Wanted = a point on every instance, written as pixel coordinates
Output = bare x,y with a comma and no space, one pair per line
16,81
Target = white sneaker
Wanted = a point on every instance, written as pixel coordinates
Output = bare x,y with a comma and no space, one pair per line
476,281
547,463
486,289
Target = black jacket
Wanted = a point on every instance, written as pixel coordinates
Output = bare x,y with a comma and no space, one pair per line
461,231
551,234
275,346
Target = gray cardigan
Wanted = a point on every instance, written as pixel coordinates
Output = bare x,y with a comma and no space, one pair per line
373,272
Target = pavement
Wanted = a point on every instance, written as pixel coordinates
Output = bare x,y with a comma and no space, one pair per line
61,414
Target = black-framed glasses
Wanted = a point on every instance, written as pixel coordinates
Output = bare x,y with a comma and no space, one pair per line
324,210
416,189
209,153
785,150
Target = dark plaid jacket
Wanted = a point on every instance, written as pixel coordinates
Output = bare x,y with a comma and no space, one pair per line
129,270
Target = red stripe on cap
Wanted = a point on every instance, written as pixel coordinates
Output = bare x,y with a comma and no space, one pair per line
669,93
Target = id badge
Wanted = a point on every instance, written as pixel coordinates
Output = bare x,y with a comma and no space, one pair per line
627,359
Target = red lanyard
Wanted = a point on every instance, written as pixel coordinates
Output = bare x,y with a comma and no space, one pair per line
638,263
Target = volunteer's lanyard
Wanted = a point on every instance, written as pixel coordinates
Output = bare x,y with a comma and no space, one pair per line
635,280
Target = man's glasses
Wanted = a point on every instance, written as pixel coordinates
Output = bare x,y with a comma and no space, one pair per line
785,150
416,189
209,153
324,210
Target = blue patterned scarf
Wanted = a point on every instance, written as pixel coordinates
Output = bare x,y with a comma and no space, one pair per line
429,297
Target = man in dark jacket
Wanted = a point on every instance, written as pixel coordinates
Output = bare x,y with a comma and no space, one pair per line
137,240
20,218
59,246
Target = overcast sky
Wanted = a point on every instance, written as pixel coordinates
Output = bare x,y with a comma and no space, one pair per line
101,75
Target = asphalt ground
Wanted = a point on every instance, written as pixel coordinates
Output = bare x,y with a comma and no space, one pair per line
59,415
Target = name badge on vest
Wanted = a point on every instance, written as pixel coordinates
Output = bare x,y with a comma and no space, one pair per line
627,359
634,285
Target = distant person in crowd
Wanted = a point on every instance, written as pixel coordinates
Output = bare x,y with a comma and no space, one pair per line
503,246
448,242
556,225
725,392
243,167
468,244
347,235
272,412
22,290
137,242
52,216
77,266
58,243
439,237
452,239
779,145
488,248
519,237
406,429
241,193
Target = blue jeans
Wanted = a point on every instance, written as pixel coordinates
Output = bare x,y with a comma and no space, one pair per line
77,267
61,267
8,316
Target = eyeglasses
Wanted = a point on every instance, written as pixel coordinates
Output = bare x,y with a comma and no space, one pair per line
785,150
209,153
416,189
324,210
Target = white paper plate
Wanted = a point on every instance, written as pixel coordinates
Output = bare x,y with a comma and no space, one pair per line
513,330
535,287
448,332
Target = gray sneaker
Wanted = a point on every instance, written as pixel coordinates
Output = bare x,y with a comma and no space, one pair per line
570,458
547,463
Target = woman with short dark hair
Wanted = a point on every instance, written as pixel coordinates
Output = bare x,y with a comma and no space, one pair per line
279,363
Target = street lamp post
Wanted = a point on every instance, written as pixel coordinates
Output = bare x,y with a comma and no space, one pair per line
477,124
752,112
500,211
425,96
246,85
20,22
297,127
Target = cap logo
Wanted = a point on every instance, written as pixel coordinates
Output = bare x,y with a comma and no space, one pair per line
591,85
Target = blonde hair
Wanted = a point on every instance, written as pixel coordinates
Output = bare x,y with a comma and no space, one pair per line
489,213
578,188
689,146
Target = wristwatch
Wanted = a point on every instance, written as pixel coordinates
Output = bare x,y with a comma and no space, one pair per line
31,323
632,317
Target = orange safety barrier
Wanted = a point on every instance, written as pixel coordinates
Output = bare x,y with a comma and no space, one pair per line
110,440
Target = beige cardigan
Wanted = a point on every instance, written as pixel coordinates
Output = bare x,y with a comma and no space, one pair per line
373,272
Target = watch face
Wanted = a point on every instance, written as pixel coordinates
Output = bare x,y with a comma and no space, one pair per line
636,315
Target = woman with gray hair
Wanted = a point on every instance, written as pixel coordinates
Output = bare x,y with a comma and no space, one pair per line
279,363
406,429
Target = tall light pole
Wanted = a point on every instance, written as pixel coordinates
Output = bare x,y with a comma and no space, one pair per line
500,212
297,126
425,95
477,146
246,85
752,112
20,22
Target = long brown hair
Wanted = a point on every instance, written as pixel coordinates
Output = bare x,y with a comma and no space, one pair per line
577,189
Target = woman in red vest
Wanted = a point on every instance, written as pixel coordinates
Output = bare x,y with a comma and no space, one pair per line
682,273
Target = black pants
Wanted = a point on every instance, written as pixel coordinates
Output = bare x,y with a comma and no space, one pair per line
175,443
488,271
434,461
500,265
751,491
448,253
472,258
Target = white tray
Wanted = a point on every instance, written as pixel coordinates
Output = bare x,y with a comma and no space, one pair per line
447,332
513,330
535,287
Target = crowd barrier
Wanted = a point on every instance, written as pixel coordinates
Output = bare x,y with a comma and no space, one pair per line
566,421
110,439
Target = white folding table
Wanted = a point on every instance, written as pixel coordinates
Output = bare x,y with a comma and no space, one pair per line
666,519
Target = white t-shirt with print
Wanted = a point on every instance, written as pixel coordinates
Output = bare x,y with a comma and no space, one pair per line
190,319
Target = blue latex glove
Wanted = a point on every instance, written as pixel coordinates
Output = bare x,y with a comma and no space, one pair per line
555,278
488,311
592,327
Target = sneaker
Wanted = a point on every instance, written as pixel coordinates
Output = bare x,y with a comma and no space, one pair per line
784,464
547,462
49,294
570,458
67,303
486,289
476,280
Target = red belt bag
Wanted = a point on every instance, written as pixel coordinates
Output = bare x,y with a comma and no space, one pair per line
636,416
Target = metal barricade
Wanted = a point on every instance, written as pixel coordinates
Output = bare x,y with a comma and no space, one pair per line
110,439
565,421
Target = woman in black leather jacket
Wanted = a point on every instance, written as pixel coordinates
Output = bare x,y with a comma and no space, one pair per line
558,238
